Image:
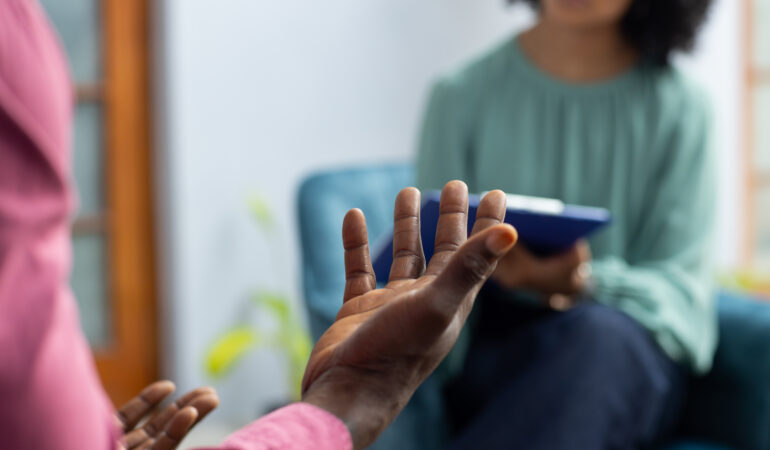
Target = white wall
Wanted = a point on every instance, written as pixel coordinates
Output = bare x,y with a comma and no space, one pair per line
252,95
255,94
717,65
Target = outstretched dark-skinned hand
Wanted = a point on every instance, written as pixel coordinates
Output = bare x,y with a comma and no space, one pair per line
385,342
166,429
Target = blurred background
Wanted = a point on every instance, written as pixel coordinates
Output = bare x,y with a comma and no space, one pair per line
197,121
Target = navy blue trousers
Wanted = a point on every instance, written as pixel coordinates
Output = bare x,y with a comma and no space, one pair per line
588,378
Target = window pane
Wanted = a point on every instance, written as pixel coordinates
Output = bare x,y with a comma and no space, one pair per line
762,33
88,158
90,289
762,130
78,24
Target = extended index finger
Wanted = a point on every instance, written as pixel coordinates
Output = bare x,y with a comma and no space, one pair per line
452,227
491,211
138,407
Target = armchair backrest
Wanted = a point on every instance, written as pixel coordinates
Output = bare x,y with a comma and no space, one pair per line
324,198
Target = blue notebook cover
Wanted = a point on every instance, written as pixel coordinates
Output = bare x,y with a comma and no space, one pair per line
545,226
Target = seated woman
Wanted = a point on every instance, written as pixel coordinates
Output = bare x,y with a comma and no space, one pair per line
585,107
361,373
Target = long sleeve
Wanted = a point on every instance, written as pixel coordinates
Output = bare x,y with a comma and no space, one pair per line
51,395
298,426
664,282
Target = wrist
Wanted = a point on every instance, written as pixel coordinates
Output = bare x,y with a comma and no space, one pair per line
361,407
337,405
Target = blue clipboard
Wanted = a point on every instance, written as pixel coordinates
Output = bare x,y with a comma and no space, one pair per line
545,226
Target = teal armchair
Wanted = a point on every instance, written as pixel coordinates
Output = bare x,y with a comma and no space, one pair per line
729,408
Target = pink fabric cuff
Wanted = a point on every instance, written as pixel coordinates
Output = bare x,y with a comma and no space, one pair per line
294,427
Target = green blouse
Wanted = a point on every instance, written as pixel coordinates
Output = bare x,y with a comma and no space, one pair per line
636,144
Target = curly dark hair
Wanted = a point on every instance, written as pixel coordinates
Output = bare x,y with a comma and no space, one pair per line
657,28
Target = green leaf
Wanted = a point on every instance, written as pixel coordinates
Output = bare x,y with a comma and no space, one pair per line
276,303
229,349
288,337
261,211
298,348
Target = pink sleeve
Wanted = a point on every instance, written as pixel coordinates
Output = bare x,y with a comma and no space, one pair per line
51,395
50,391
299,426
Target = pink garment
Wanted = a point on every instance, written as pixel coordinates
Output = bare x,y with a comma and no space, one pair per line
50,394
295,427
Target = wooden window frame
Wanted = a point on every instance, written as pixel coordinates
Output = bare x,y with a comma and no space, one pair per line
754,180
130,361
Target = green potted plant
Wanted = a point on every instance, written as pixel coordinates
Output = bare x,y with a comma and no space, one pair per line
285,333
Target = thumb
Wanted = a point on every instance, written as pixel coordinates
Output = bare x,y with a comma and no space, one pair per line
473,263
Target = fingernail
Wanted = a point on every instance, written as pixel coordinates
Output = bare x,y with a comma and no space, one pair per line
501,240
584,270
193,411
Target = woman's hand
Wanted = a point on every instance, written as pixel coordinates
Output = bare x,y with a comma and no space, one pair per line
560,279
166,429
385,342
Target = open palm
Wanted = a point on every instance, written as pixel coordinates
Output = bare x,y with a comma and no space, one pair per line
385,342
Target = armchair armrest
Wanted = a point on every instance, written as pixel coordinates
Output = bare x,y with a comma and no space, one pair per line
731,404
